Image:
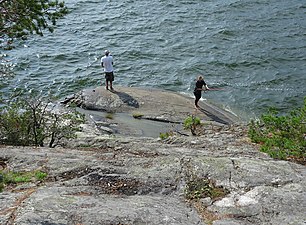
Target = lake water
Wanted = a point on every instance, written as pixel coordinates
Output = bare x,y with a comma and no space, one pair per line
255,50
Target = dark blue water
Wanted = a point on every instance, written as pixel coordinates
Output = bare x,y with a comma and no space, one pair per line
254,49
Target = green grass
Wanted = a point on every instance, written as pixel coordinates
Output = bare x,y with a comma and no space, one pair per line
40,175
281,136
14,178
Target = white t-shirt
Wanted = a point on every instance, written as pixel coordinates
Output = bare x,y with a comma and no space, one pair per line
107,63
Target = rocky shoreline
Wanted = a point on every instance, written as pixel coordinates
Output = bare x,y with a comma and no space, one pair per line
135,111
113,178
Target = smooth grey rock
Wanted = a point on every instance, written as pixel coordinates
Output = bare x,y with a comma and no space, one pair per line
129,177
165,110
142,181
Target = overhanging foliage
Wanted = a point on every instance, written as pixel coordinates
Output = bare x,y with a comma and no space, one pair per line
19,18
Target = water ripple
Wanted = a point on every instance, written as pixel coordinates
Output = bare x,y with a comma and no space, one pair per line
254,49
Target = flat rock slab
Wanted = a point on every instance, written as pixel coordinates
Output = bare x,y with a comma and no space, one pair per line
141,112
150,104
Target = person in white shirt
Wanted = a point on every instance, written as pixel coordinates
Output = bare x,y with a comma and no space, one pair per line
107,64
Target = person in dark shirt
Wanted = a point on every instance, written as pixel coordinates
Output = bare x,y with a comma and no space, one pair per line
198,89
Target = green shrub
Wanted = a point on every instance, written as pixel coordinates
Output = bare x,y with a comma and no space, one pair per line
25,122
164,136
281,136
192,122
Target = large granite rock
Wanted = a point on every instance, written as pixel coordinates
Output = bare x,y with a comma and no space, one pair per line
142,181
123,180
155,110
150,103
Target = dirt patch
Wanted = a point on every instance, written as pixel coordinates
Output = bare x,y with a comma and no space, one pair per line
114,184
117,184
71,174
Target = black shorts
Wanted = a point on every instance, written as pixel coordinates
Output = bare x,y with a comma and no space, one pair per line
197,94
109,76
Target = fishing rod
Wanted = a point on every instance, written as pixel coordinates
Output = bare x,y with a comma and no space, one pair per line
215,89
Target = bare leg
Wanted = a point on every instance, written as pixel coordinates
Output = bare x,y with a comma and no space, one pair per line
106,85
111,85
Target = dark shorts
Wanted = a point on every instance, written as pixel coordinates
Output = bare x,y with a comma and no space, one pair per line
109,76
197,94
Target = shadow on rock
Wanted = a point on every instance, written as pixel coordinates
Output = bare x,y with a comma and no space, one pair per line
126,98
213,117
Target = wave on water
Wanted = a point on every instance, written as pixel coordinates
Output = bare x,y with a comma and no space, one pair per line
255,50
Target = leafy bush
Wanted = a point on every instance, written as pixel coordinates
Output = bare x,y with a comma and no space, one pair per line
27,122
19,18
281,136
